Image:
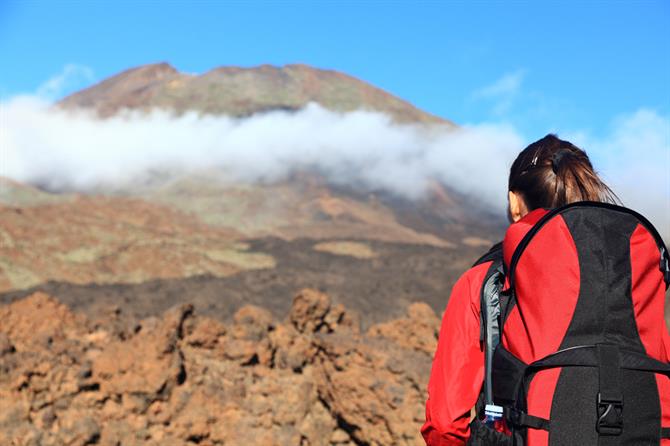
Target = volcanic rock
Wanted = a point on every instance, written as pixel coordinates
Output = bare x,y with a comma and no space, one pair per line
183,379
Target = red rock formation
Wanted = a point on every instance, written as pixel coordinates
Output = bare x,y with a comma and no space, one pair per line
186,379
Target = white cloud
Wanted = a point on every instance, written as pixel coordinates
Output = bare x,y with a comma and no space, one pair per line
72,77
502,92
52,147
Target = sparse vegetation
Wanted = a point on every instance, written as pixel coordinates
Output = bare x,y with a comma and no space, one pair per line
347,248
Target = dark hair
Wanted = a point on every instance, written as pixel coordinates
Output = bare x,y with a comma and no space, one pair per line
551,172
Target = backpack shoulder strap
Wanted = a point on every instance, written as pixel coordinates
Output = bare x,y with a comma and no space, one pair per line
490,324
493,254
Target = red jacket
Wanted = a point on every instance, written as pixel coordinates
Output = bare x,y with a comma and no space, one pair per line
458,366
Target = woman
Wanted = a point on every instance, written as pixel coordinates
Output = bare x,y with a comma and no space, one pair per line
547,174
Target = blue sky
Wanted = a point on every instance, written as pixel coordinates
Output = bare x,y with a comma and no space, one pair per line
540,66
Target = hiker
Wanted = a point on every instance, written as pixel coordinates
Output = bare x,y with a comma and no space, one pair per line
571,346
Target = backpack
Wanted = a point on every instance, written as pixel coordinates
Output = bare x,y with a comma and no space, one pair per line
583,324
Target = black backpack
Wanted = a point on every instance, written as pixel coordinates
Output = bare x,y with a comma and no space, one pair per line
612,366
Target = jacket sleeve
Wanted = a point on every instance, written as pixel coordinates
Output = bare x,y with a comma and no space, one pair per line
458,366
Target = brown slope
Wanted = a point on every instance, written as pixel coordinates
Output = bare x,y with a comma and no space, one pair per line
239,91
14,193
103,240
307,205
304,205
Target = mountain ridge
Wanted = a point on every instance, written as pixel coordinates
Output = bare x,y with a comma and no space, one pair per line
242,91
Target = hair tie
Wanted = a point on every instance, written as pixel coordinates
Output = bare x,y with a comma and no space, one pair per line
557,158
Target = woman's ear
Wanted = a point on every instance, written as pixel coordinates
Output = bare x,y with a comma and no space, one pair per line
517,206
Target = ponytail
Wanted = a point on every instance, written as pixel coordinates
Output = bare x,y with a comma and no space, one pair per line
551,172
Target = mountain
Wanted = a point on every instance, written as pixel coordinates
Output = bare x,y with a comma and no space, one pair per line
197,237
241,92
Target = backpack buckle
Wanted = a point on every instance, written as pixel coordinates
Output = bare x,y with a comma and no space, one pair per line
610,416
665,265
512,416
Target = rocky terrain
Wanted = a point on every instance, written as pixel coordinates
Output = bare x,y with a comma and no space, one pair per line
312,377
378,287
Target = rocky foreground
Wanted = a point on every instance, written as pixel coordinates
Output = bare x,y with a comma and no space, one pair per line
183,379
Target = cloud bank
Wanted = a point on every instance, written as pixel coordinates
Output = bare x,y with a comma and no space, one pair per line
75,150
62,149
